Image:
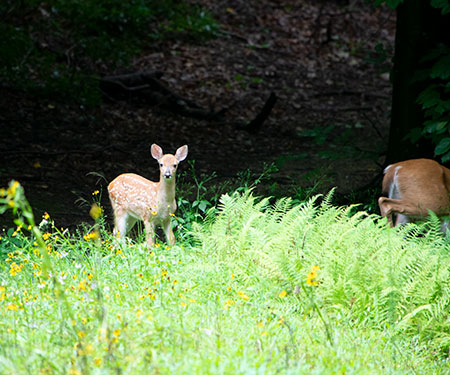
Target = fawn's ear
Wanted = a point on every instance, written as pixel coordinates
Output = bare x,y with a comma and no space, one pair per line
181,153
157,151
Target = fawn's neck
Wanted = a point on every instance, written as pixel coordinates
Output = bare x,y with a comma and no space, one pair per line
166,188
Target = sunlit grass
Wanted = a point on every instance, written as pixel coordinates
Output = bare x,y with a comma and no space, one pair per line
87,303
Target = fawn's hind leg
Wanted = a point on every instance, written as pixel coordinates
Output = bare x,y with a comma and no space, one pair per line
123,223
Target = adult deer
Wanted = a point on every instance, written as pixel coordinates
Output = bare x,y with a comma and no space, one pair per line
135,198
412,188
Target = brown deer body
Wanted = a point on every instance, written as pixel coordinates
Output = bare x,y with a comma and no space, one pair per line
135,198
412,188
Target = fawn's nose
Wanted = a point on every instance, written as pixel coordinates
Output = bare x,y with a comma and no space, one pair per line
167,174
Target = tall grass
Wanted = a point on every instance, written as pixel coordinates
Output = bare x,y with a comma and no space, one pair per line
257,288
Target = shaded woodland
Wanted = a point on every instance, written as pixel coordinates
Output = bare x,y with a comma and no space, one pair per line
300,90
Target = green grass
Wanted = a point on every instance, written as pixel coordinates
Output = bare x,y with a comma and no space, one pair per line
237,295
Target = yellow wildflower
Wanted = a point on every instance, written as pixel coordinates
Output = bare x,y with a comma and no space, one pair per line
95,192
228,304
14,269
117,332
82,285
12,307
95,211
98,362
311,278
283,294
243,296
13,188
46,236
91,236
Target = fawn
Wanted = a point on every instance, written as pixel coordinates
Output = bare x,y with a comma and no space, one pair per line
135,198
411,188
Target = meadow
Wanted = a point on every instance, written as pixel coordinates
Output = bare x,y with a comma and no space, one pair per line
256,286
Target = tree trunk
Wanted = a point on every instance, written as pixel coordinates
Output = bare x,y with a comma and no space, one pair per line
419,29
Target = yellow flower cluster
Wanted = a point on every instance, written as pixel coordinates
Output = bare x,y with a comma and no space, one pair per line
10,193
228,303
311,278
91,236
15,268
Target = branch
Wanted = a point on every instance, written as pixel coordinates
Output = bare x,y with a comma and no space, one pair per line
255,125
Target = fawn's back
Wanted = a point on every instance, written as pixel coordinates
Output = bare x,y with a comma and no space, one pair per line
134,194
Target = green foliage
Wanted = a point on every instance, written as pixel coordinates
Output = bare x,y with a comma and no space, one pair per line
435,100
61,43
435,97
199,199
444,5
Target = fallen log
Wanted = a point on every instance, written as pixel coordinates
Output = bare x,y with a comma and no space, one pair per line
147,88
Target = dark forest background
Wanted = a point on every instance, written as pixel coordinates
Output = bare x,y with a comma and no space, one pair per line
292,97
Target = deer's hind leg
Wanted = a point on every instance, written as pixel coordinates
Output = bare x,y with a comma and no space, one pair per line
402,209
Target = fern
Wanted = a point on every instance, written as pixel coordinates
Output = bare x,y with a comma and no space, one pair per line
372,274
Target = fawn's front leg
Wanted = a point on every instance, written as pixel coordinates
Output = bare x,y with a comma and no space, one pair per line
167,227
149,232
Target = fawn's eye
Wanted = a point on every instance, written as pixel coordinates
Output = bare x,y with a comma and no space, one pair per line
174,165
161,164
